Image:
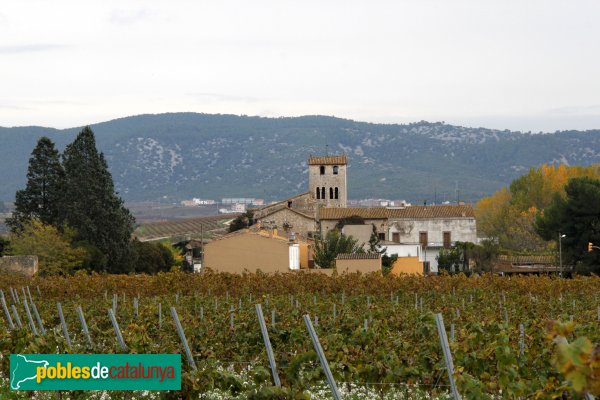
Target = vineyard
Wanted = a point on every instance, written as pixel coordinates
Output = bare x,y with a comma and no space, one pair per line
183,227
519,337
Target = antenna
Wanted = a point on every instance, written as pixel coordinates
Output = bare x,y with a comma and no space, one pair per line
326,149
457,192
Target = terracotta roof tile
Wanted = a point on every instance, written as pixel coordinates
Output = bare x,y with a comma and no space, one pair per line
437,211
357,256
339,213
328,160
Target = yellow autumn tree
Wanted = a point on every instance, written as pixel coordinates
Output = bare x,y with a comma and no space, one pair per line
56,254
509,214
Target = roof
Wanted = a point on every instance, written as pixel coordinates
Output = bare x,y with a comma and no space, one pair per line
531,259
358,256
365,213
281,207
327,160
265,233
434,211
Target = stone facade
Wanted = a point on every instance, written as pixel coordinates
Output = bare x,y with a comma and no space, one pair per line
24,265
289,220
327,180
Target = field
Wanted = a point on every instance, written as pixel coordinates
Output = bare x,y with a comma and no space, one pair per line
183,227
381,343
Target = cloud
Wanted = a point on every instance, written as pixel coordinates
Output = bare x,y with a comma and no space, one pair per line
18,108
576,110
221,97
30,48
128,17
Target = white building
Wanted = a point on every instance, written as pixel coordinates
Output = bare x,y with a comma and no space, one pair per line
432,228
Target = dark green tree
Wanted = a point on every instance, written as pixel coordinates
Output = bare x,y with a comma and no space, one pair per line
4,244
42,195
374,243
577,216
91,205
351,220
326,250
242,221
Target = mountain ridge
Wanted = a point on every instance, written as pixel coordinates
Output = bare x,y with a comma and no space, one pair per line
184,155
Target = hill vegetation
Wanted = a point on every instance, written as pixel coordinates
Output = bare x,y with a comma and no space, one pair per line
169,157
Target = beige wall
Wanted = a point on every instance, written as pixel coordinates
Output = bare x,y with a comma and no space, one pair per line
247,251
380,225
407,265
364,266
315,179
24,265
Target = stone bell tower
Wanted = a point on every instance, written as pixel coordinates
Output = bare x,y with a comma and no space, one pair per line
327,180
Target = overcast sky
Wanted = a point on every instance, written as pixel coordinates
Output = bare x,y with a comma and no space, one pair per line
523,64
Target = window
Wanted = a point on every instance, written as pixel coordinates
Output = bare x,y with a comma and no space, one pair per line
423,239
323,193
289,204
331,193
318,194
322,169
381,235
447,240
396,237
336,193
335,169
426,267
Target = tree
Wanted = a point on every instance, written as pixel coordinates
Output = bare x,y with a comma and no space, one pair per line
577,216
335,243
4,243
91,205
42,195
351,220
56,255
242,221
450,259
374,243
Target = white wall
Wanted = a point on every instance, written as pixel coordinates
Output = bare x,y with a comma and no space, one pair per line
461,229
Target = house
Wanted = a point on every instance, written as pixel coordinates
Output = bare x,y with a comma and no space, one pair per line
432,227
295,214
358,262
257,249
377,216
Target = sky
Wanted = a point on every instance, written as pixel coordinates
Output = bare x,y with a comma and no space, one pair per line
528,65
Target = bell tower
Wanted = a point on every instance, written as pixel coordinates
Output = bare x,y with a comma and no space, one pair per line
327,180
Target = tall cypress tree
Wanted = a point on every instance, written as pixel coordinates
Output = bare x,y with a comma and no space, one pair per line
91,205
41,197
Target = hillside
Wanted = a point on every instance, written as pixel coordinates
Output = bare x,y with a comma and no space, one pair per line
170,157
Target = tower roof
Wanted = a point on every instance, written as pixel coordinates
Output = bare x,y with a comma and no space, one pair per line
327,160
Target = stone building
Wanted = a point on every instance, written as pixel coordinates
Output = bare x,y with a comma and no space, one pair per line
327,180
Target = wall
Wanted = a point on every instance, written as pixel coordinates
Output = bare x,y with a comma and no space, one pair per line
300,223
247,251
315,179
407,265
25,265
380,225
360,232
363,266
462,229
404,250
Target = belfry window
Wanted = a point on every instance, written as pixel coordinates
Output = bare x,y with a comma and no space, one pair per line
335,169
323,193
336,193
331,193
322,169
318,194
